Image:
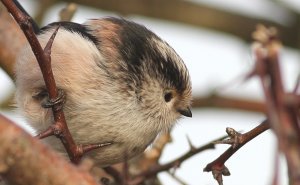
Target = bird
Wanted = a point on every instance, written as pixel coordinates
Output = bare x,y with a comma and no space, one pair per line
123,85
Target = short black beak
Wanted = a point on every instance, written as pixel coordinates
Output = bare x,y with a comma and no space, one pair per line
185,112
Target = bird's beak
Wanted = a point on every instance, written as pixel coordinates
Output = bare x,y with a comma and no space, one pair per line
185,112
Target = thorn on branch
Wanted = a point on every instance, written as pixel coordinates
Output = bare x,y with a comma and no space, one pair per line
80,150
192,147
47,49
90,147
54,129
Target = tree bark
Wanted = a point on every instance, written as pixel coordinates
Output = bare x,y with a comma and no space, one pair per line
26,161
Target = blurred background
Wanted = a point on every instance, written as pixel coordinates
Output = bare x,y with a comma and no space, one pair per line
213,37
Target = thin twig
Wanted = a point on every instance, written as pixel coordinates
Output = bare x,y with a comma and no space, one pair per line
217,167
175,163
180,181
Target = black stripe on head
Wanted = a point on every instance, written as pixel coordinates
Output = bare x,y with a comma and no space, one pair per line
134,40
137,50
74,28
167,69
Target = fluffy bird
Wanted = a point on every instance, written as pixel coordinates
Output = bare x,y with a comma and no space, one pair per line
123,85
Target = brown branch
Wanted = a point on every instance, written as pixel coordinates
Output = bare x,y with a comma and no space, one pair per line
25,160
11,41
282,107
217,167
44,60
218,101
201,15
155,169
43,57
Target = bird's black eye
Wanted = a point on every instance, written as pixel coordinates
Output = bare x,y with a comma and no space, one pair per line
168,97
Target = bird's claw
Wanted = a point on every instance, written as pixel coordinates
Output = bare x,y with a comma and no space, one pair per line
57,102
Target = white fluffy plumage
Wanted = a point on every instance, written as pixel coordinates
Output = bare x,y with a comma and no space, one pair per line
123,85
